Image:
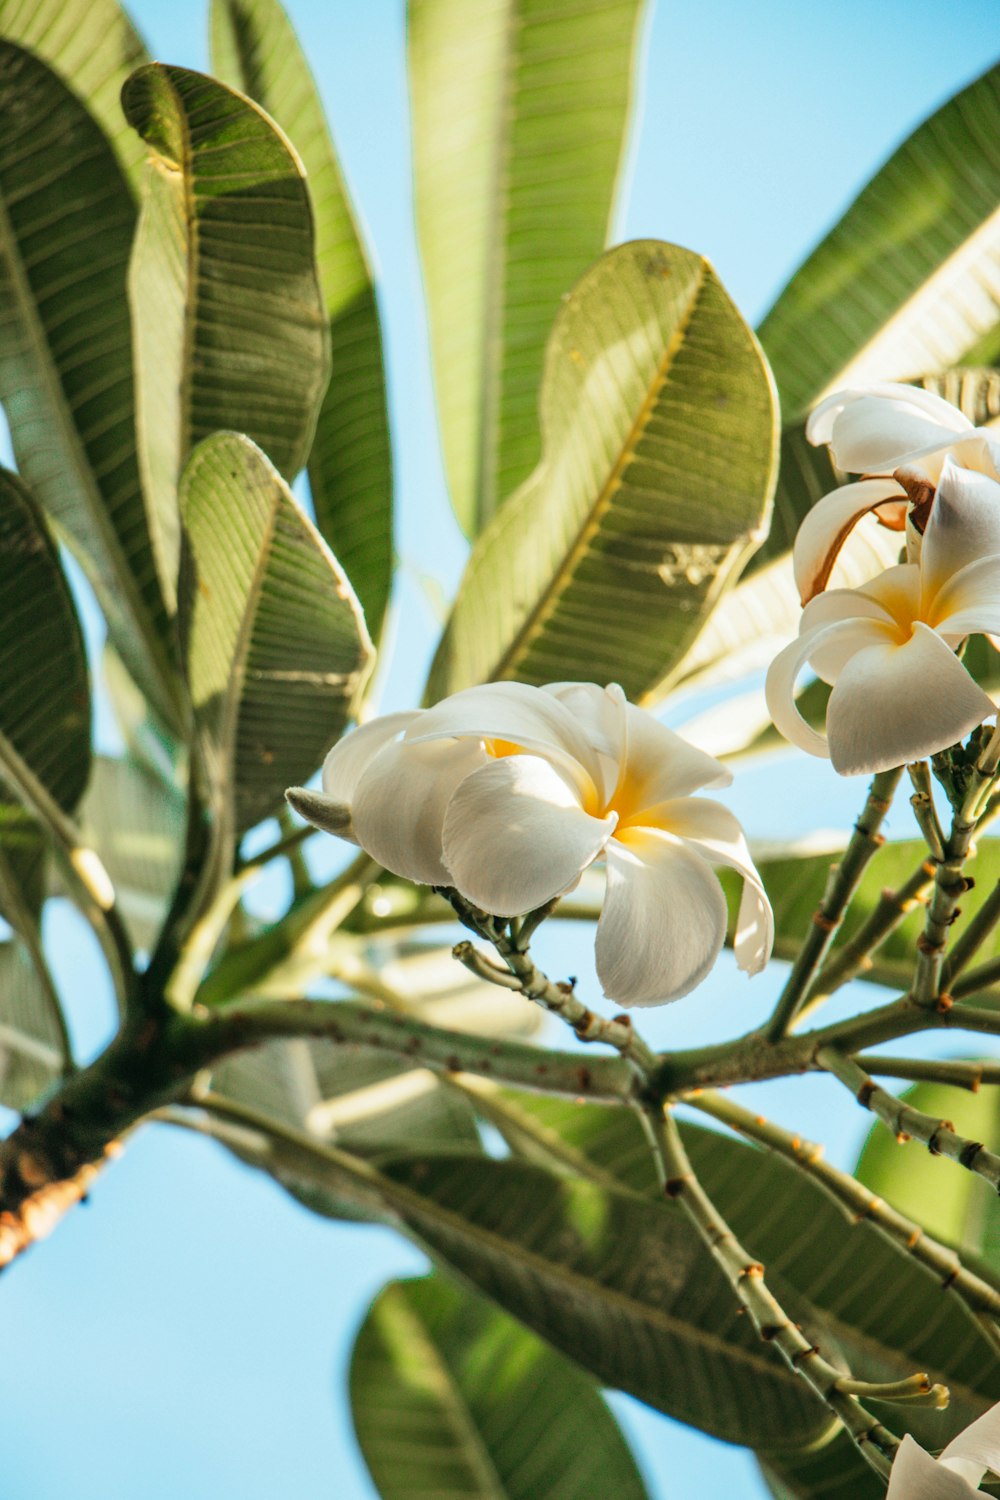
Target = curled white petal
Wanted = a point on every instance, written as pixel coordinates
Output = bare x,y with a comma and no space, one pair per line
603,714
969,603
515,836
521,715
841,639
664,919
400,802
976,1448
897,703
963,526
715,833
660,765
826,527
350,757
917,1476
872,429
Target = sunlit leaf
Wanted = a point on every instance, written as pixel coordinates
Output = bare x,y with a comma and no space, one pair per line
350,465
93,46
276,646
519,116
604,566
230,329
907,283
135,821
621,1284
66,224
450,1396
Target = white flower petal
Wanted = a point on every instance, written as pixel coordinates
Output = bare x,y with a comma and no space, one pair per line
602,713
715,833
894,704
964,526
400,803
826,527
515,836
969,603
897,591
917,1476
664,919
521,715
660,765
871,429
779,686
978,1446
347,762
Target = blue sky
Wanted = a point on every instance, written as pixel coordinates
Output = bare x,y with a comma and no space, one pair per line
187,1333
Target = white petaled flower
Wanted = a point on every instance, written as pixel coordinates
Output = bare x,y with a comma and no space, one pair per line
898,438
888,648
508,793
959,1471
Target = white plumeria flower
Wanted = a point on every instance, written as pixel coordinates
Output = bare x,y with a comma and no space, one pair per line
957,1474
507,793
898,438
888,648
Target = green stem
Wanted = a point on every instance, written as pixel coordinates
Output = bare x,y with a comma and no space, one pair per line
905,1122
858,1200
972,939
959,1074
842,883
746,1278
891,910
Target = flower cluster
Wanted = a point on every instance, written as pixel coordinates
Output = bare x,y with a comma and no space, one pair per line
888,648
507,793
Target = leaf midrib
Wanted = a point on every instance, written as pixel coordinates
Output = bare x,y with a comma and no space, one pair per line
542,609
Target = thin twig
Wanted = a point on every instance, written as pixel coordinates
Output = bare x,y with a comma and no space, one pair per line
844,879
956,1072
906,1123
746,1277
859,1201
924,810
890,912
965,948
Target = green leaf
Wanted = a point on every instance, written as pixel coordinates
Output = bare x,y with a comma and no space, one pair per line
511,207
951,1205
884,1310
93,46
255,49
146,738
276,645
451,1397
906,283
834,1470
603,567
621,1284
357,1100
230,328
795,885
66,223
44,688
33,1049
136,823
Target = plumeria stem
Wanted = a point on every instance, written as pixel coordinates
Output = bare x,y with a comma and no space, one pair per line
924,810
939,1136
746,1277
961,1075
559,999
977,980
854,957
845,877
859,1201
964,950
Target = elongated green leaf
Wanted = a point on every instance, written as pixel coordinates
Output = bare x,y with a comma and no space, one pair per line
952,1206
452,1398
230,328
906,284
93,46
146,738
622,1285
605,565
276,645
519,114
795,886
136,823
32,1040
44,687
66,222
885,1311
834,1470
350,465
